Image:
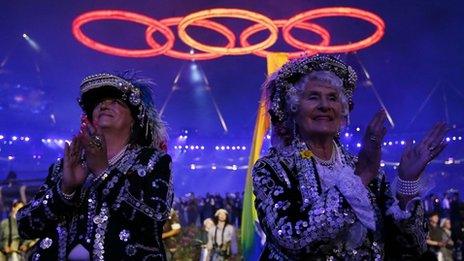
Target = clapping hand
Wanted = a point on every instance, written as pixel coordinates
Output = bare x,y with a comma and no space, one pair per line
94,145
367,166
74,171
416,156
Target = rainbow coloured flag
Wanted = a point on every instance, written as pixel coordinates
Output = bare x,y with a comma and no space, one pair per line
252,238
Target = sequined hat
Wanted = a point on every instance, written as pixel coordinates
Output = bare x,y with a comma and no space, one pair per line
281,83
135,92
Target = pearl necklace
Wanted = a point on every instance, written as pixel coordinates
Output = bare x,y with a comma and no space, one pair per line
117,157
330,163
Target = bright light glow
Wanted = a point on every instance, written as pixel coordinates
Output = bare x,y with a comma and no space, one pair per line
243,148
2,137
13,138
231,13
454,137
124,16
213,167
358,145
191,55
358,129
323,33
448,139
334,12
202,19
223,148
234,167
27,139
11,157
390,143
233,147
403,142
202,147
347,134
192,166
217,147
382,164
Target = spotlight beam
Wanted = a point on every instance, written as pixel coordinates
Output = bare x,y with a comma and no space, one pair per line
424,103
374,90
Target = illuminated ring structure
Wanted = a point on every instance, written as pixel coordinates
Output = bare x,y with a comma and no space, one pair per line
228,34
233,13
124,16
199,19
322,32
331,12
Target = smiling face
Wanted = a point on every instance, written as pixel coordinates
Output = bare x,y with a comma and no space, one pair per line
320,109
222,216
113,114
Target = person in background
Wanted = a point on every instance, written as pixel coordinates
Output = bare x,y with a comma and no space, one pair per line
434,237
202,240
222,239
13,247
447,243
171,232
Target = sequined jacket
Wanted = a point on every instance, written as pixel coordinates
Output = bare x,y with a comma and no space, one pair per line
302,222
117,216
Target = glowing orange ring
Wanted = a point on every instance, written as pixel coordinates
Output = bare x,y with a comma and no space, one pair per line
331,12
234,13
322,32
230,36
124,16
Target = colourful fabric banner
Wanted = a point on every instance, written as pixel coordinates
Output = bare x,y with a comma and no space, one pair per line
252,238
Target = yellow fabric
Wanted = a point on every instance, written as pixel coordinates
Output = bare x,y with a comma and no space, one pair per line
274,62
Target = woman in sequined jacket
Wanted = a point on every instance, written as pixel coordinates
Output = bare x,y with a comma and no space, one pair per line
315,201
111,194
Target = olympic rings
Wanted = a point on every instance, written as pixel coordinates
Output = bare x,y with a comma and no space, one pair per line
199,19
331,12
125,16
323,33
188,56
223,12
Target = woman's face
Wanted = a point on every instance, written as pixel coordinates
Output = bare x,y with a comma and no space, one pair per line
222,216
447,224
319,111
112,114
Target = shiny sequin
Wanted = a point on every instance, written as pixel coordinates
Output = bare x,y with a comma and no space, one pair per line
124,235
131,250
46,243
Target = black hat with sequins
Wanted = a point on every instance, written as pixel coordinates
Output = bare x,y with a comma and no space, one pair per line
134,91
